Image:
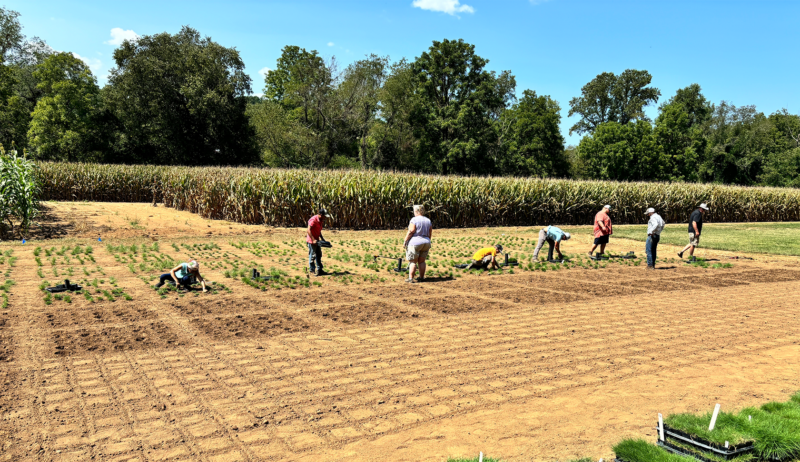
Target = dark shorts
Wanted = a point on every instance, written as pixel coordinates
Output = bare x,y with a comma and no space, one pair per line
601,240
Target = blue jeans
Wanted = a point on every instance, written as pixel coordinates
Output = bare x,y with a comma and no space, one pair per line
185,281
314,257
651,248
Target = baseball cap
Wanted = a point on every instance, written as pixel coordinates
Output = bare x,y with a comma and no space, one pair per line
323,212
567,235
704,206
499,247
607,207
650,210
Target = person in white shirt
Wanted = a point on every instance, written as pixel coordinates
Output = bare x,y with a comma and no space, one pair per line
654,227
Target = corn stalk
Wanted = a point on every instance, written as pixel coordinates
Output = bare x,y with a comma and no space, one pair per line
19,193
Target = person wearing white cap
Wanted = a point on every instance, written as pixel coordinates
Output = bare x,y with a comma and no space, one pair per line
695,228
182,276
602,229
654,227
553,236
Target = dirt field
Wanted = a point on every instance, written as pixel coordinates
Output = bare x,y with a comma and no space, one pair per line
526,366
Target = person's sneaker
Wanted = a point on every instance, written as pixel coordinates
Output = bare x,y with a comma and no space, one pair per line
469,267
421,279
680,255
410,281
321,273
159,285
692,258
651,267
590,254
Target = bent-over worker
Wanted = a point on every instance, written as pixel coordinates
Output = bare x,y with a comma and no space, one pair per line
553,235
486,258
182,276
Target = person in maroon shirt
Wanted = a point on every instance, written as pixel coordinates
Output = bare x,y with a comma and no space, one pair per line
602,229
313,237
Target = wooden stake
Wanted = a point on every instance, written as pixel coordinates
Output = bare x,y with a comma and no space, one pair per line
714,417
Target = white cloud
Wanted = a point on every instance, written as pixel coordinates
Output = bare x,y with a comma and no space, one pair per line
118,35
93,63
330,44
450,7
264,71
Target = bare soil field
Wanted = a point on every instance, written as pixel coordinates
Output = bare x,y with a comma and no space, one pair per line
534,365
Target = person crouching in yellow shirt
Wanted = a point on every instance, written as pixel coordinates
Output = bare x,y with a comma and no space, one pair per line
486,258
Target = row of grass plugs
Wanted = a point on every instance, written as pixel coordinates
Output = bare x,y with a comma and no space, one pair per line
89,288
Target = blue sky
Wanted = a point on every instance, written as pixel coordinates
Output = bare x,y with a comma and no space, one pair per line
745,52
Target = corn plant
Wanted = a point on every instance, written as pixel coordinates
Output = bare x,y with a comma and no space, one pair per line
19,188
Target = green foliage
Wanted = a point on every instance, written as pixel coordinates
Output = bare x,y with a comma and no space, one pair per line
535,147
67,121
631,450
612,98
180,99
626,152
19,188
451,115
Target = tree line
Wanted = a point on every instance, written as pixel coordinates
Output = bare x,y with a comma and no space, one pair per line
183,99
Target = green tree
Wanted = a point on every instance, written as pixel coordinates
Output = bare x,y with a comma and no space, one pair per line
536,146
11,37
67,122
741,139
391,143
283,140
358,98
782,169
680,129
180,99
612,98
452,114
15,51
625,152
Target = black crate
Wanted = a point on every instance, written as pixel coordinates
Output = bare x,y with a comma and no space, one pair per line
672,435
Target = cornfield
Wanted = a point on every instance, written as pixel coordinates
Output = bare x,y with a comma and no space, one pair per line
376,200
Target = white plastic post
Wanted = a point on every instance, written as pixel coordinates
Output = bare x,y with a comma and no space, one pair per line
749,418
480,457
714,417
660,427
726,445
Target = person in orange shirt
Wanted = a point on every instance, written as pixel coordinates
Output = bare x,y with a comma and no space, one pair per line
602,229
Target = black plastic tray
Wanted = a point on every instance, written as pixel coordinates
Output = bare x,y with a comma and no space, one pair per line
65,287
702,445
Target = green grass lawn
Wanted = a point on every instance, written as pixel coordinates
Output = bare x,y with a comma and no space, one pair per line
769,238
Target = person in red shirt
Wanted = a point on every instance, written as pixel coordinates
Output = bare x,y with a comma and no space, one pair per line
602,229
313,238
